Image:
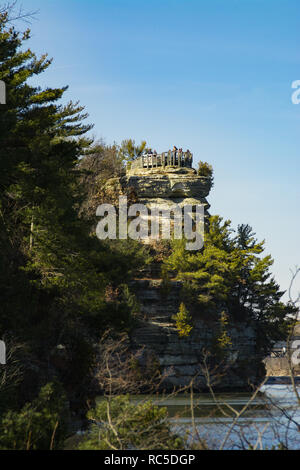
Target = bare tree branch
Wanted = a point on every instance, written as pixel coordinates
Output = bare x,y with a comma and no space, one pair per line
14,12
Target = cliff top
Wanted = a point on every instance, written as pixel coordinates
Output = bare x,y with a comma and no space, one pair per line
173,159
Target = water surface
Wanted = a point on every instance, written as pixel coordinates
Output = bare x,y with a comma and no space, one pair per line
271,420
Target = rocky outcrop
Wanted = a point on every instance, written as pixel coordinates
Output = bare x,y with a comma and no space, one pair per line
182,359
168,183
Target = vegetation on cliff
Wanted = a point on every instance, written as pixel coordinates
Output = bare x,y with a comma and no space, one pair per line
183,321
230,276
205,169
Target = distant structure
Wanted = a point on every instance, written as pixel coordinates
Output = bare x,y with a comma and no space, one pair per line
171,158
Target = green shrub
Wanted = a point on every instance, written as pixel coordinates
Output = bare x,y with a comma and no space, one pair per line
205,169
120,424
40,425
183,321
223,339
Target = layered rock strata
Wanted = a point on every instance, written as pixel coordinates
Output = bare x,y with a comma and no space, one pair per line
181,359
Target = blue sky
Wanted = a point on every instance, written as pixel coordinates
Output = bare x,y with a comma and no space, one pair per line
213,76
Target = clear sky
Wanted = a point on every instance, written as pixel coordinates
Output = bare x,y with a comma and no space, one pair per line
213,76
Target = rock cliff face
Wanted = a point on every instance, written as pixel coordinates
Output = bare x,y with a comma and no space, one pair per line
168,186
182,359
168,182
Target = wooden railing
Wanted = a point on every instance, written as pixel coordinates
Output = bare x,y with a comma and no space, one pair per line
170,158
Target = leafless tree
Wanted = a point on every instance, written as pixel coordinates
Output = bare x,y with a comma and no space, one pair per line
282,422
121,370
11,373
15,12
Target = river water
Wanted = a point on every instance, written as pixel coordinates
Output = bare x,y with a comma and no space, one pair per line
270,421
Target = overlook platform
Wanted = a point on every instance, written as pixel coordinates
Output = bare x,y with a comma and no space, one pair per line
173,159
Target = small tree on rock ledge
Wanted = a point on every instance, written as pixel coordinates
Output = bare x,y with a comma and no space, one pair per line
183,321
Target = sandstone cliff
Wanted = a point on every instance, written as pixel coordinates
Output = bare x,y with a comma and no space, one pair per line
181,360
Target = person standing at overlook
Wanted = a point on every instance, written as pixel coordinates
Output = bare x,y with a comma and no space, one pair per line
174,154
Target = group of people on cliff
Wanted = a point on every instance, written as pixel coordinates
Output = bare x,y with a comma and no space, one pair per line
175,151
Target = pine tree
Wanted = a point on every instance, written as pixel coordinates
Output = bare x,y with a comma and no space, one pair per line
231,274
54,275
183,321
129,151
